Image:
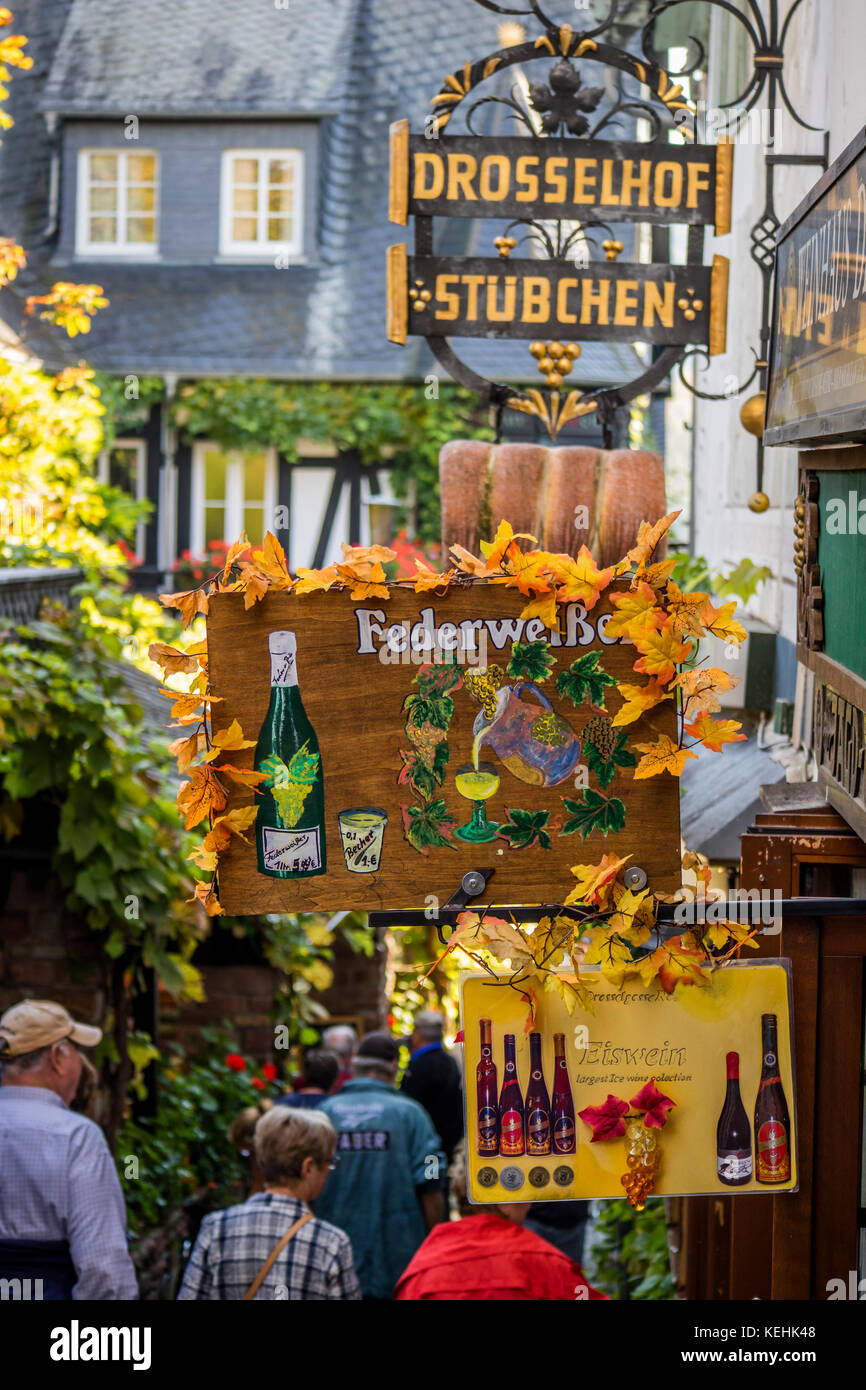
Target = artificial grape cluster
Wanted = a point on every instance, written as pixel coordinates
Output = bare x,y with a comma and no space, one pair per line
643,1159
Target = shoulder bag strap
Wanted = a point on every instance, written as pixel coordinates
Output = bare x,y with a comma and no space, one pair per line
281,1245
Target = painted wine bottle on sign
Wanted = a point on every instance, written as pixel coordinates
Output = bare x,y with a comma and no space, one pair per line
772,1125
290,822
485,1094
733,1135
562,1128
511,1137
537,1103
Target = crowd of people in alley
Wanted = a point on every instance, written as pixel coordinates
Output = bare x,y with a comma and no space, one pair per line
357,1187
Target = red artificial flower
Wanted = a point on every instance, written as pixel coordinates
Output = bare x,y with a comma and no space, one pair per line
235,1061
654,1104
270,1071
257,1082
606,1121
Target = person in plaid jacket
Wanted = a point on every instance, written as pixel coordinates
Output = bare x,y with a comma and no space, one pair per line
295,1151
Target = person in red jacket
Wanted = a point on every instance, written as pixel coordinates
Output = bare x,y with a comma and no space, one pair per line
487,1255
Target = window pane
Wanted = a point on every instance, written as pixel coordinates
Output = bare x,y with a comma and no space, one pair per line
245,200
140,199
140,168
246,171
214,524
279,229
140,229
123,469
103,229
215,475
280,200
103,199
254,524
281,171
103,168
254,477
244,229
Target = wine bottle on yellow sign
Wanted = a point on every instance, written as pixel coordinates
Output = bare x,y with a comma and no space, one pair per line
290,822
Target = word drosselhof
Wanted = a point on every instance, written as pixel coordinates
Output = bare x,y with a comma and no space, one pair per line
481,176
393,643
490,298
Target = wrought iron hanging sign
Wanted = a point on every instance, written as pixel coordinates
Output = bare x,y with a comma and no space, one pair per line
562,189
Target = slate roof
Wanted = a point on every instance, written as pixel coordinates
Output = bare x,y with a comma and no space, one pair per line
359,63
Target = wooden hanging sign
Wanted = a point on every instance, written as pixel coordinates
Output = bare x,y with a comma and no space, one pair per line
405,741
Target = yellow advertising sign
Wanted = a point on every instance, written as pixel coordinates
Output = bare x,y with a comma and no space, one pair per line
722,1053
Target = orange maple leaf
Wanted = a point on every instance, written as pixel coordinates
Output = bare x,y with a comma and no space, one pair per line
239,550
661,652
254,584
529,572
356,555
201,796
662,756
683,965
715,733
205,893
543,607
272,564
700,687
656,575
171,659
580,580
595,881
634,609
466,562
232,823
685,611
365,585
227,740
648,538
721,623
427,579
186,749
311,581
244,776
495,551
190,604
638,699
185,709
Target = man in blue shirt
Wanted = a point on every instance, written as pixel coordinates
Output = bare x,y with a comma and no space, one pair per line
433,1079
386,1191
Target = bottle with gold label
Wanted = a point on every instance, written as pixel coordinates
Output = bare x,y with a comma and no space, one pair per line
511,1137
537,1105
563,1135
485,1093
772,1125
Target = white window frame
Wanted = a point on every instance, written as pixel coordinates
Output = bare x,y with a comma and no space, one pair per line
137,249
234,498
102,476
261,250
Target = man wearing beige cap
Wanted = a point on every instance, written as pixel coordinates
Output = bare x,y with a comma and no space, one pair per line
62,1214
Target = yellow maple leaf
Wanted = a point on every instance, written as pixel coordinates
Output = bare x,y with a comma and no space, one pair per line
356,555
272,564
225,740
205,893
495,551
244,776
190,604
611,955
715,733
661,652
721,623
638,699
254,584
656,575
204,858
311,581
636,607
504,941
700,687
634,915
685,611
367,580
240,547
683,965
648,538
595,881
200,796
186,749
543,607
730,935
427,579
662,756
232,823
579,580
530,572
185,709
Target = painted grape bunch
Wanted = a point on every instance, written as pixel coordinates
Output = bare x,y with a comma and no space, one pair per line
550,730
482,684
600,733
643,1161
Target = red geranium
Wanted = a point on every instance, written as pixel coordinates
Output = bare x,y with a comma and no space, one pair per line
270,1071
257,1082
236,1062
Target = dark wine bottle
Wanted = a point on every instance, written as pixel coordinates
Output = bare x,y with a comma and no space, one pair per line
485,1093
562,1130
290,821
537,1103
772,1126
512,1142
733,1135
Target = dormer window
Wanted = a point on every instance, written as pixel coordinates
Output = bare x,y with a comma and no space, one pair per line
262,193
117,195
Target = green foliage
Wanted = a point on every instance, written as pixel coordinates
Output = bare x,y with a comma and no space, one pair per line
435,708
594,812
127,401
584,680
629,1256
402,424
693,572
525,828
427,826
531,661
605,767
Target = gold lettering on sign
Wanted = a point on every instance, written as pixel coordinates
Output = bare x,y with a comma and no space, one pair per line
595,296
536,299
506,313
526,178
584,180
557,192
607,194
698,182
447,297
668,184
429,165
502,165
626,303
639,182
659,303
473,283
461,171
562,314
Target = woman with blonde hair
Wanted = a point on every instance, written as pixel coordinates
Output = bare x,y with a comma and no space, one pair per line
272,1246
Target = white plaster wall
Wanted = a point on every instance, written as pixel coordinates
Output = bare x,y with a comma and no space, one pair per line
825,75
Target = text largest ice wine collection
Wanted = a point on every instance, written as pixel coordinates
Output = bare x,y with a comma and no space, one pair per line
508,1125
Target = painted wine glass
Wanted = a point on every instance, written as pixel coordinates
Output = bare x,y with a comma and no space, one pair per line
477,784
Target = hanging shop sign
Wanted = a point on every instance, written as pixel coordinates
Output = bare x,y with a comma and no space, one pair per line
817,382
396,744
641,1091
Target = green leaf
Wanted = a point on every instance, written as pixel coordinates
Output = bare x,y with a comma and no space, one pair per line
436,709
584,681
428,826
605,768
531,661
594,812
524,828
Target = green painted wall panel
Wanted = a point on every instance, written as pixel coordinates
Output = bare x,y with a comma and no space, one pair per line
842,557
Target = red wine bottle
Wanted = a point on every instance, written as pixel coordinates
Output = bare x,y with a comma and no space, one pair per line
563,1134
733,1135
511,1137
772,1126
537,1102
485,1091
